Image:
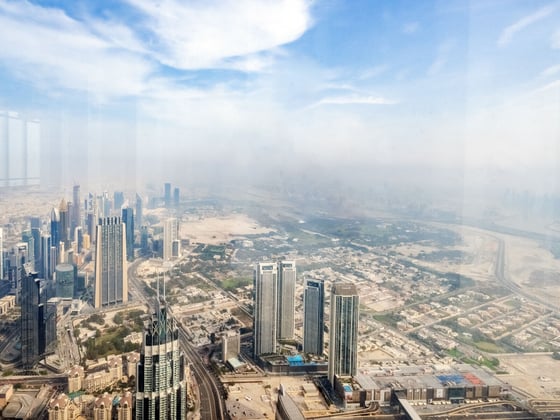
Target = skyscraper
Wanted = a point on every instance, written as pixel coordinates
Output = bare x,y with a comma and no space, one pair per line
111,281
286,299
161,382
55,227
176,196
313,316
343,341
118,201
32,319
170,235
167,194
64,224
265,308
128,220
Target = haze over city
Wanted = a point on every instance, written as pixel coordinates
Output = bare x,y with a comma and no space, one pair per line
286,209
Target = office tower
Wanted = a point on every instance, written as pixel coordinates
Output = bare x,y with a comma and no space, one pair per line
167,194
90,222
46,249
55,227
20,152
144,240
65,280
265,313
111,281
286,299
36,235
1,254
32,320
231,345
76,208
27,238
64,226
170,234
128,220
176,196
313,316
118,201
343,340
161,381
79,239
139,210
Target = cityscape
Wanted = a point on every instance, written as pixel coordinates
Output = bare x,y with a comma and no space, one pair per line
284,209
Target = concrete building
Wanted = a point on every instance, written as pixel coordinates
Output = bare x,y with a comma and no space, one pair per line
102,407
286,299
231,345
63,408
313,316
64,280
343,342
170,235
265,308
128,220
32,320
111,279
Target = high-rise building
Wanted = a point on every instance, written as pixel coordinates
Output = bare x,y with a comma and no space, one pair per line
118,201
286,299
170,235
313,316
161,381
36,235
76,209
265,308
343,339
55,227
32,319
20,151
139,210
128,220
64,224
176,196
111,281
167,194
65,275
231,345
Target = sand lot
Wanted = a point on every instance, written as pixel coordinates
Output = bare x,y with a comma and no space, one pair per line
217,230
537,374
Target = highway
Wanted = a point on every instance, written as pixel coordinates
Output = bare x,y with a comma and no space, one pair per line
212,405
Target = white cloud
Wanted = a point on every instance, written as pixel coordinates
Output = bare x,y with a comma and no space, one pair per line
410,28
508,32
355,100
551,71
54,51
206,34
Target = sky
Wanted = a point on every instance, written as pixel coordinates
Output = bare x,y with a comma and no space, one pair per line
471,86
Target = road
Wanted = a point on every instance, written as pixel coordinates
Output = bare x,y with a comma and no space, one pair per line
212,406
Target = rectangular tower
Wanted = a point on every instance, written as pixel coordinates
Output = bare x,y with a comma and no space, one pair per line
265,308
343,341
32,319
111,281
313,316
170,234
128,220
286,299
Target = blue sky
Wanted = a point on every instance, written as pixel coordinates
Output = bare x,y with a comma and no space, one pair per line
470,83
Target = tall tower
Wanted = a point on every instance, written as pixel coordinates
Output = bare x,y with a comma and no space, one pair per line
128,220
32,319
265,313
343,341
176,196
76,209
286,299
170,235
161,384
111,281
167,194
313,316
64,225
